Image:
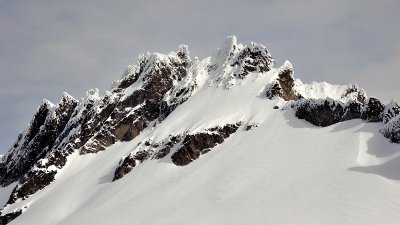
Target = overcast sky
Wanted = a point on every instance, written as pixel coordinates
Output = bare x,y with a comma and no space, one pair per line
49,46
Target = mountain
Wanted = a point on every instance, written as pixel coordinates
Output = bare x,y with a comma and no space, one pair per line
230,139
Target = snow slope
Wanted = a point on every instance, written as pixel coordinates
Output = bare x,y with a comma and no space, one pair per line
285,171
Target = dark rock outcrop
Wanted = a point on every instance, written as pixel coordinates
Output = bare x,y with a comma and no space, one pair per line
190,147
7,218
352,104
391,110
36,181
39,177
286,82
253,58
96,122
273,90
283,86
129,162
165,149
373,110
391,119
197,144
148,92
391,130
38,140
327,112
144,151
158,75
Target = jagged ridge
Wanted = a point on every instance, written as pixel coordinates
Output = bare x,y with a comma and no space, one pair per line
323,104
149,91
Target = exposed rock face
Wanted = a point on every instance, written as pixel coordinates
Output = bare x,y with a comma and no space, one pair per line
165,148
34,143
35,182
323,104
142,96
327,112
391,110
188,147
129,163
273,90
353,104
286,82
147,93
391,130
39,177
253,58
7,218
373,110
146,150
234,61
283,86
157,78
197,144
391,119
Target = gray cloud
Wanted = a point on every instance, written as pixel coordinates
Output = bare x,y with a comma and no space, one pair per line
47,47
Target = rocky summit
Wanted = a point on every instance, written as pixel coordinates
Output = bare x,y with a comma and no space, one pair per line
167,112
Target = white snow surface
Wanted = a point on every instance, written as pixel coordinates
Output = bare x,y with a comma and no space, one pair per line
285,171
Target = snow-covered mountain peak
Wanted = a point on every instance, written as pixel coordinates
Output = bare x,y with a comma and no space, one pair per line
224,53
183,52
287,65
93,95
47,103
67,97
218,128
233,62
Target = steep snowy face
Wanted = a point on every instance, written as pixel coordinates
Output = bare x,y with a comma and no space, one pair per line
175,109
147,93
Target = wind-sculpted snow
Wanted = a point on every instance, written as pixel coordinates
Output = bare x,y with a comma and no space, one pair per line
172,109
